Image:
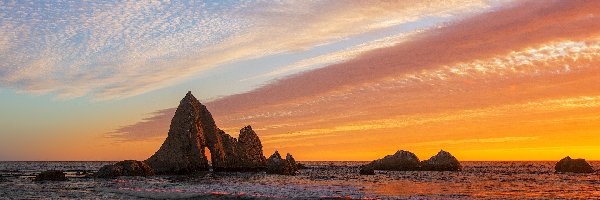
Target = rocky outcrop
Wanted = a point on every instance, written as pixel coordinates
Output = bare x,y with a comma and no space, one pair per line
277,165
568,164
192,130
125,168
251,152
443,161
400,161
51,175
407,161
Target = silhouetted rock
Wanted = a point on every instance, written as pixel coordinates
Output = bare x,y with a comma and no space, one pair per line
443,161
400,161
192,130
277,165
125,168
250,147
573,165
51,175
367,170
292,162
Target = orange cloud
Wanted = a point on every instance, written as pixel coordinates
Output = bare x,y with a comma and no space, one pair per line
526,71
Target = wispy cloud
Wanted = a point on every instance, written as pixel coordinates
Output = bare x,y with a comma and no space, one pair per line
119,49
509,74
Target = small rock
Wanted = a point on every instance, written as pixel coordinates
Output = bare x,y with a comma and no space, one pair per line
51,175
302,166
125,168
443,161
277,165
366,170
400,161
573,165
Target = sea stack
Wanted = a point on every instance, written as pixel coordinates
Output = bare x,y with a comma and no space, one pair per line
443,161
400,161
277,165
568,164
192,130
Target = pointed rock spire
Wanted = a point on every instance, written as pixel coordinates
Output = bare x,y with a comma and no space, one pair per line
192,130
182,152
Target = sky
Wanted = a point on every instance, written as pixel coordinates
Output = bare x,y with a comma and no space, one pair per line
323,80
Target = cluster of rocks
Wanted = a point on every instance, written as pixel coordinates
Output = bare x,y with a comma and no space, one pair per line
408,161
192,130
568,164
277,165
125,168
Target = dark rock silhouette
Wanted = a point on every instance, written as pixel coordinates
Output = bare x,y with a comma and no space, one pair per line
366,170
51,175
192,129
302,166
443,161
400,161
125,168
277,165
573,165
407,161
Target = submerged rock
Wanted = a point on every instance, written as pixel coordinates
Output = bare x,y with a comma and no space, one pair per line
51,175
400,161
302,166
192,130
443,161
277,165
366,170
573,165
125,168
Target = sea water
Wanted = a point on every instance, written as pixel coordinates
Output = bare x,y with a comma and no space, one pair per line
323,180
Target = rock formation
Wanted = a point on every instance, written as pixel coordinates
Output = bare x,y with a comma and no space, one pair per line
407,161
277,165
192,129
400,161
51,175
573,165
125,168
443,161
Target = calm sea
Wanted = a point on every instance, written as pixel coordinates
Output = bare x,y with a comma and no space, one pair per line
479,180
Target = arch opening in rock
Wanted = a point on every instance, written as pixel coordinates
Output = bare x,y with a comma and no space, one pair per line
207,154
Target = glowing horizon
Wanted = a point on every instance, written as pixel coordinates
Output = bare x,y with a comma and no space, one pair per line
484,80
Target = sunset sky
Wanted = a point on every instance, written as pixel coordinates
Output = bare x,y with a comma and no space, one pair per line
323,80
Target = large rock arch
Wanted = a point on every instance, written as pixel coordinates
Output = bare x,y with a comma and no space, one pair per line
193,128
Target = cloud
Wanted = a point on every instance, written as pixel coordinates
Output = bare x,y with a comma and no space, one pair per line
155,126
529,57
113,50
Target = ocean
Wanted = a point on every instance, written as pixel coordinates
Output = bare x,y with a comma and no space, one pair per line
324,180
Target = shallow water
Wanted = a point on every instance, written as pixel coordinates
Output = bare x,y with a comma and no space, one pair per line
478,180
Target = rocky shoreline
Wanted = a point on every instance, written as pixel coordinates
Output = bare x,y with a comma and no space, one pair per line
193,131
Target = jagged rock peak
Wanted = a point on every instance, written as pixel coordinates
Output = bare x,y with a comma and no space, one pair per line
275,155
183,150
277,165
192,130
